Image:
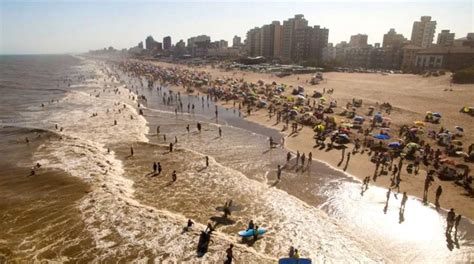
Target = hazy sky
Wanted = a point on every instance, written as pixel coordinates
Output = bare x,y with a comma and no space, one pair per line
77,26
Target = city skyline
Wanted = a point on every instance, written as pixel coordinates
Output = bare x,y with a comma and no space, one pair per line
89,25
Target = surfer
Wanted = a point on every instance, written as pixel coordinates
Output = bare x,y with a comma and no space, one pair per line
255,233
230,254
251,225
190,224
297,254
209,228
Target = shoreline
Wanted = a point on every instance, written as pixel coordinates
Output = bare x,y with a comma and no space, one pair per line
359,165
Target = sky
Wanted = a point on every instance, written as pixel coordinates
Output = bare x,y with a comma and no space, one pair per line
44,27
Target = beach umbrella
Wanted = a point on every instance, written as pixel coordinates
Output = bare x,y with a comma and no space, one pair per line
319,128
419,123
382,136
413,145
394,145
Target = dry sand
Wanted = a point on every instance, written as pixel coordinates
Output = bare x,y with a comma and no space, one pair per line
410,95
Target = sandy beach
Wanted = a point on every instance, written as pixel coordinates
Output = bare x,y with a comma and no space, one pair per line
411,97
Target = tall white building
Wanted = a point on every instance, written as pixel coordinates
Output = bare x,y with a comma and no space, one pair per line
423,32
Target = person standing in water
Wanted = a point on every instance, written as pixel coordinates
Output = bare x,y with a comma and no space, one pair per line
310,158
155,167
288,157
159,168
199,127
171,147
173,176
404,201
187,128
456,223
229,254
279,172
207,161
220,132
131,151
439,191
450,221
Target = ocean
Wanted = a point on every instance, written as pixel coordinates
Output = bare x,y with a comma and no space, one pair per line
92,201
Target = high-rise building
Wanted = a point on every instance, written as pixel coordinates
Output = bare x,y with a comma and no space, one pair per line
150,43
289,33
199,45
445,38
422,34
236,41
140,44
254,41
309,43
277,39
392,39
267,37
167,43
358,41
329,53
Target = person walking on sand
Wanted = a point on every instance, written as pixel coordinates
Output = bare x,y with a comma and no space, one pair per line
439,191
173,176
297,157
207,161
310,158
303,159
450,220
271,142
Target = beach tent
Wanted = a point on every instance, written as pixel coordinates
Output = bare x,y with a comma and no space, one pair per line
378,117
419,123
394,145
382,136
